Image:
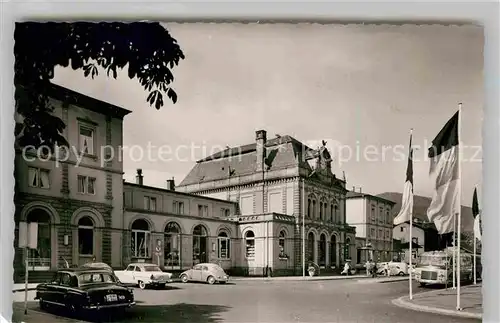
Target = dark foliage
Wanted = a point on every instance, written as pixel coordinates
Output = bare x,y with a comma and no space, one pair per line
147,48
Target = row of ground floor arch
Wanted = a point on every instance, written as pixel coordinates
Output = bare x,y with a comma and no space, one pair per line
246,248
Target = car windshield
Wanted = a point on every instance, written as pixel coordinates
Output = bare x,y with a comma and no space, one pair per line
152,268
95,278
433,260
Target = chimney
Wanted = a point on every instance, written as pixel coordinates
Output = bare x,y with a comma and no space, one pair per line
171,184
139,178
260,139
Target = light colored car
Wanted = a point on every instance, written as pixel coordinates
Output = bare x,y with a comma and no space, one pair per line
395,268
205,272
143,275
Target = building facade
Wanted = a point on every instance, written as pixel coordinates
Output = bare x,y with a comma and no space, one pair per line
177,230
284,177
75,196
373,219
401,232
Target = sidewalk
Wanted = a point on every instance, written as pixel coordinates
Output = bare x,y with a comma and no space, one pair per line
444,302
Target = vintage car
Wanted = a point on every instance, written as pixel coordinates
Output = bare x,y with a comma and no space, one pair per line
205,272
98,265
143,275
84,289
395,268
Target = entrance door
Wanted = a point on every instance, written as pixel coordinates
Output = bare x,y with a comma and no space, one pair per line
39,259
86,240
200,252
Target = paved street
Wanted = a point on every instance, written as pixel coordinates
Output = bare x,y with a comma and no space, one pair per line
279,301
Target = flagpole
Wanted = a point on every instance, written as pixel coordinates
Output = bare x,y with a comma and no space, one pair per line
411,229
475,247
459,202
454,250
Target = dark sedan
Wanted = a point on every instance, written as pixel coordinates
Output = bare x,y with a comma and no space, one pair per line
84,289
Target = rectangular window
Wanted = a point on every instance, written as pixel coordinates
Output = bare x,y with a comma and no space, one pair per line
226,213
200,210
86,185
381,215
150,203
38,177
224,243
372,233
205,210
380,234
140,242
373,214
250,248
86,140
175,208
181,207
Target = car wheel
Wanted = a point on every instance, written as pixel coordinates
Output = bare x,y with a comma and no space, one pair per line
211,280
184,278
72,309
422,284
401,273
43,305
142,285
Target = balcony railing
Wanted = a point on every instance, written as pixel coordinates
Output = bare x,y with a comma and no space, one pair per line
38,264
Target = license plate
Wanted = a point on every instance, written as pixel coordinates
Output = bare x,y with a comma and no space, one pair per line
111,298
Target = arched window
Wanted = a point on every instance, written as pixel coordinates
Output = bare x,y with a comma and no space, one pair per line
172,245
200,245
86,236
314,209
250,244
321,211
332,214
282,245
141,239
224,245
308,208
336,214
325,212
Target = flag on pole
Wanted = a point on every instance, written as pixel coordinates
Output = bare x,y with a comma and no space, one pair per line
406,211
444,155
477,216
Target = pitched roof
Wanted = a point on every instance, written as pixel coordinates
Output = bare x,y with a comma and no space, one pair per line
281,153
352,194
420,206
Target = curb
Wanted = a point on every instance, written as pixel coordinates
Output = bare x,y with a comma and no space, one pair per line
296,278
401,302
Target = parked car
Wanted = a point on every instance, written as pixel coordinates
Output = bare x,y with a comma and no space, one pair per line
84,289
205,272
143,275
98,265
395,268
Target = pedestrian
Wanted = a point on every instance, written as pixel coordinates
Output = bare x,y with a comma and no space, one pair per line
374,269
368,266
386,269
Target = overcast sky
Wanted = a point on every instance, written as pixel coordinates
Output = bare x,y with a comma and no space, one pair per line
356,86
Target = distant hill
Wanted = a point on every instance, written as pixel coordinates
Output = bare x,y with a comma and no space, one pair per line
420,206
